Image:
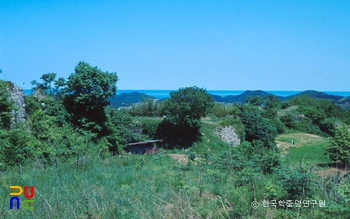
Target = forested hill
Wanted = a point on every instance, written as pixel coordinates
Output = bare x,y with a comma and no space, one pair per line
127,99
339,100
317,95
242,97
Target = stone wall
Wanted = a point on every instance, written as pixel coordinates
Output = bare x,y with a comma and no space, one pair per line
228,135
17,95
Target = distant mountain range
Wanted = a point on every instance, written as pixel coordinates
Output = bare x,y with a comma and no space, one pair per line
127,99
339,100
242,97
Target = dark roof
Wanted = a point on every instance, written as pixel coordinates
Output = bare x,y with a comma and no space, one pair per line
145,142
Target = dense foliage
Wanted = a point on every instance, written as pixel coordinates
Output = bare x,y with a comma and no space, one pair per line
72,135
187,106
183,112
339,149
87,93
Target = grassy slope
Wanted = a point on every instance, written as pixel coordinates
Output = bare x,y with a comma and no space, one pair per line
135,187
132,186
144,186
307,147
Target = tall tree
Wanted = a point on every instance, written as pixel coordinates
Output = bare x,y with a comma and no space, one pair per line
87,93
187,105
257,127
184,110
339,149
271,106
47,86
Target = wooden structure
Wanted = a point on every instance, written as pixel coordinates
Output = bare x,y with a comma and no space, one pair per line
143,147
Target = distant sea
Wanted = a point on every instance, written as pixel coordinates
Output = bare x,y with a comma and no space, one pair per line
161,94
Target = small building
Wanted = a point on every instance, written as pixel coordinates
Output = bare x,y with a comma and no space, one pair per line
143,147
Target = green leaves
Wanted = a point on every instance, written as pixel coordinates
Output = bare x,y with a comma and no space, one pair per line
344,191
184,110
257,127
16,146
296,183
187,105
87,93
339,149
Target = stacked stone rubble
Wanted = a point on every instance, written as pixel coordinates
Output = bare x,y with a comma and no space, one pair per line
17,95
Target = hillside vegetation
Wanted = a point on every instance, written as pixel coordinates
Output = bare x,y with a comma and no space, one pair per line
263,158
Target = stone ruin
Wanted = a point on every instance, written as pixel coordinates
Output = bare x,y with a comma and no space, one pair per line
228,135
17,95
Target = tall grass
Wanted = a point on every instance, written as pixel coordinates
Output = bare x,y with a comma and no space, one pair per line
114,188
152,186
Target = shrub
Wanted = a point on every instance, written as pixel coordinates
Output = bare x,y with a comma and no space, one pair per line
339,149
221,110
297,183
149,127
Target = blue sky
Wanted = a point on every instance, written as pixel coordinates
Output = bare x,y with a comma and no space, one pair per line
218,45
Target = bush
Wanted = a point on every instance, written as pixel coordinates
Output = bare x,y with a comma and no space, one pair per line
184,110
257,127
221,110
186,107
149,127
148,107
120,129
253,155
327,126
297,183
16,146
289,121
339,149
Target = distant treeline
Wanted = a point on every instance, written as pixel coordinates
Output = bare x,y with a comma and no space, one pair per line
128,99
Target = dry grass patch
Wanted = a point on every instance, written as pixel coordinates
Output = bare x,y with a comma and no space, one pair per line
180,158
331,172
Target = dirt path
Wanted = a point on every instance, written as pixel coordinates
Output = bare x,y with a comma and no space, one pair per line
180,158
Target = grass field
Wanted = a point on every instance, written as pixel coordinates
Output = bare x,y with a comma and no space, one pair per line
128,187
307,148
166,185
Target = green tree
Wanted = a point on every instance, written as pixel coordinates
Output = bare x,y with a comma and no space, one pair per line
271,106
87,94
258,127
48,96
255,101
49,84
289,121
184,110
15,146
120,129
339,149
187,105
297,183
